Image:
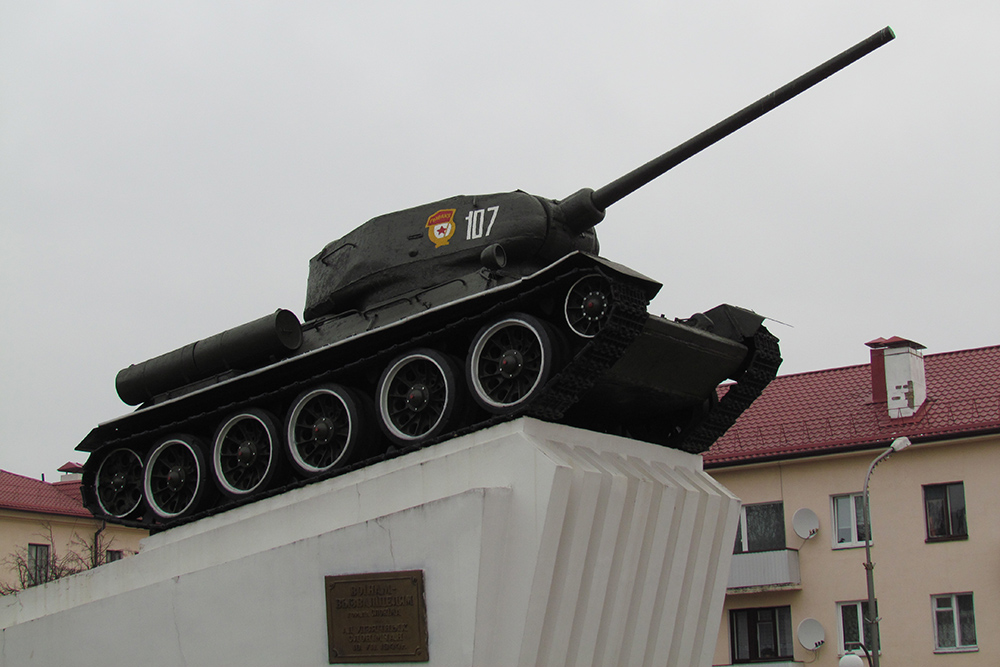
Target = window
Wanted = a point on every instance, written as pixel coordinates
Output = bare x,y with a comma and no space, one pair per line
38,564
849,525
760,634
762,528
945,507
113,555
954,622
854,626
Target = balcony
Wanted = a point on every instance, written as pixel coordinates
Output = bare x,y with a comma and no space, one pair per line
764,571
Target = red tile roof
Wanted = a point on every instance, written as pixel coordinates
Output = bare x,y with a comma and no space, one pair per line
71,489
31,495
815,413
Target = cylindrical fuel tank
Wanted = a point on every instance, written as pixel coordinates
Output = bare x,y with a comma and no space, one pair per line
241,348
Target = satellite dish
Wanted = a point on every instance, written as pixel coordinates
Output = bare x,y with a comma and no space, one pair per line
805,523
810,633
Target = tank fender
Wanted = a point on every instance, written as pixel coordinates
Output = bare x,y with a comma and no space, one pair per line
733,322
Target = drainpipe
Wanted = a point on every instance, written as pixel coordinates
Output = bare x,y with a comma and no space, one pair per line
96,556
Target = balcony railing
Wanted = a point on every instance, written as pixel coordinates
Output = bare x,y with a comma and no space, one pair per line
765,570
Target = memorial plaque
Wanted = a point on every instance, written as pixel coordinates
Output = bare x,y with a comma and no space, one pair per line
377,617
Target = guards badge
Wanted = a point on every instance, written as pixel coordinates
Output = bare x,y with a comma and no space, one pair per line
441,227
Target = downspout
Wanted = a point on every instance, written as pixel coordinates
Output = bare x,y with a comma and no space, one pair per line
96,555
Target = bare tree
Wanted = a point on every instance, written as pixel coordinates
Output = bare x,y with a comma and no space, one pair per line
37,563
97,551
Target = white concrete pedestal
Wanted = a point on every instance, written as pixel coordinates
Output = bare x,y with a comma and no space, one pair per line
540,545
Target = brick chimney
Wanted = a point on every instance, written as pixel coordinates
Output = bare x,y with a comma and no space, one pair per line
898,375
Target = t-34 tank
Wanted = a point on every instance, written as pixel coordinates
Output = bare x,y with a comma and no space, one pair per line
424,324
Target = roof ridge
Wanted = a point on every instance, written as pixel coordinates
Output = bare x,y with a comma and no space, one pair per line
22,476
965,351
825,370
868,363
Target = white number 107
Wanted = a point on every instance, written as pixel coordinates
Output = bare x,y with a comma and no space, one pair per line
475,221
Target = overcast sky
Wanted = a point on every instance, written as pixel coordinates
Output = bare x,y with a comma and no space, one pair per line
168,169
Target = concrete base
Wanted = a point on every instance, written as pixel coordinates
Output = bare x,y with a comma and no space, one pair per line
540,545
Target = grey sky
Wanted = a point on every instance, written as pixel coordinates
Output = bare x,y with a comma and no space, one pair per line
167,170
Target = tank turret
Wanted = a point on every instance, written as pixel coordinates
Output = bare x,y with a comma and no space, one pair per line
427,323
436,242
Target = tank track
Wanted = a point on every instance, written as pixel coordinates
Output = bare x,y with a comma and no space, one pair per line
764,360
626,318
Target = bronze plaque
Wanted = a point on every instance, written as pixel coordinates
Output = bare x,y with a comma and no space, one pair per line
377,617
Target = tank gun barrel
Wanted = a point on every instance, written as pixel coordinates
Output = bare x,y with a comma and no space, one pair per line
586,207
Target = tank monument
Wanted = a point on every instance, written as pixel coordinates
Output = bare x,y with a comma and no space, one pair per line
478,448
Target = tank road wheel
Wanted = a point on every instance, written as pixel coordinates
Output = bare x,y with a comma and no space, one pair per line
245,453
118,483
587,306
323,429
175,477
417,395
509,362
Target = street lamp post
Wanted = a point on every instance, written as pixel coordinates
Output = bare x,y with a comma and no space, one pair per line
872,620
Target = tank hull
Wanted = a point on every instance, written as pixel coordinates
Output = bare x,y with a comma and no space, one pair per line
635,374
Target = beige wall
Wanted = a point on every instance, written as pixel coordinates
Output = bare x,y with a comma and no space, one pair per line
908,569
18,529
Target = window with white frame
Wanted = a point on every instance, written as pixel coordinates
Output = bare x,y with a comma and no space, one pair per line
761,634
853,618
945,508
954,622
762,528
849,526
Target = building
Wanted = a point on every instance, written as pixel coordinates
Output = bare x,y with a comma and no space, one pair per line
798,460
46,532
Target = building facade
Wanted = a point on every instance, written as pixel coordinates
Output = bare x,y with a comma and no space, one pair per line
798,459
47,533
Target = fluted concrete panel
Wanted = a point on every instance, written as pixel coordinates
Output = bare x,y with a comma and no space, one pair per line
632,569
540,545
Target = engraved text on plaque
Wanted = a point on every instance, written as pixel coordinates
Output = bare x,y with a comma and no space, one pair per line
377,617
